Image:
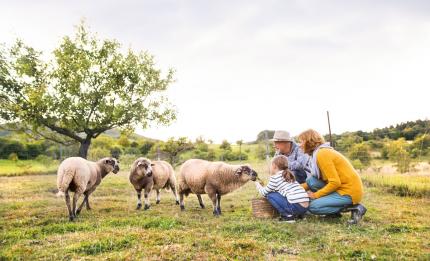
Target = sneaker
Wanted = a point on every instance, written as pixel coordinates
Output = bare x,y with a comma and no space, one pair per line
357,214
288,219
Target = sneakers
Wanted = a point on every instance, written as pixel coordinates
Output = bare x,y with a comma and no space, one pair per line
288,219
357,214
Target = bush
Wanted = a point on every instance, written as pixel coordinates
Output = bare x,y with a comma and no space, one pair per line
229,155
45,160
13,157
132,150
357,164
360,152
146,147
98,153
225,145
115,152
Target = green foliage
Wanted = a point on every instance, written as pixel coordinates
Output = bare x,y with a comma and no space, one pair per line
123,141
116,152
89,87
146,147
13,157
228,155
398,152
174,147
225,145
345,143
97,153
360,152
261,137
356,163
420,146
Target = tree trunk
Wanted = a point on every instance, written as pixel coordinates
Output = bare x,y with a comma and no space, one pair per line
83,149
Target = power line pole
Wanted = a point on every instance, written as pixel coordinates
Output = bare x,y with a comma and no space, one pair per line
329,130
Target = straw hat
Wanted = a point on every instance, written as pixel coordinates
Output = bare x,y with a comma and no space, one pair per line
281,135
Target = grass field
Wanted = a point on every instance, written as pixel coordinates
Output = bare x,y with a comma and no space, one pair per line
400,184
26,167
34,225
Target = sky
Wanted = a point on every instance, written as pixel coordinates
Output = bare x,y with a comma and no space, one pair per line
245,66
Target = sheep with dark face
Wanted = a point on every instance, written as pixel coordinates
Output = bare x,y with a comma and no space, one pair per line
146,175
82,177
212,178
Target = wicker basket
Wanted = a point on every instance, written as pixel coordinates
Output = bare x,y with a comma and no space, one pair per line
261,208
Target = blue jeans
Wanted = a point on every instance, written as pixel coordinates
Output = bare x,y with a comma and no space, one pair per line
284,207
329,204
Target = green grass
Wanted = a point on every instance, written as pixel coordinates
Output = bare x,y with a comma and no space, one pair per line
34,225
400,184
25,167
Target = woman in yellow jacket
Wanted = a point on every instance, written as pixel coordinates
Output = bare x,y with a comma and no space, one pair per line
334,183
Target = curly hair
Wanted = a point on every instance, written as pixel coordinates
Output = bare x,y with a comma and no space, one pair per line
281,162
310,140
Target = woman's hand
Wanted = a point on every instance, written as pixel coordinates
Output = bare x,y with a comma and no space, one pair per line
311,195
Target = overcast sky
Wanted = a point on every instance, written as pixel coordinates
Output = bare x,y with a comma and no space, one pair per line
245,66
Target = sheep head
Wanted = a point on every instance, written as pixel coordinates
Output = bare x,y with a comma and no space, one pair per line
246,173
144,166
111,165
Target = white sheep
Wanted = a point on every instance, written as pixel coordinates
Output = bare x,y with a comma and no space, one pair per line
149,175
82,176
212,178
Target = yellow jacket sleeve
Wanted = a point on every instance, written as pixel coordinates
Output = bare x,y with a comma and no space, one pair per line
328,170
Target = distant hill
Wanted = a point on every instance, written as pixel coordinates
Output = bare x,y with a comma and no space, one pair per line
116,133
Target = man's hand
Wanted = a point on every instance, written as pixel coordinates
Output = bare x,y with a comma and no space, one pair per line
311,195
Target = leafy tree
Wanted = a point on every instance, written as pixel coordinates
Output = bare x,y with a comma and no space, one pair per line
420,146
398,152
115,152
146,147
361,152
89,87
262,135
123,141
174,147
225,145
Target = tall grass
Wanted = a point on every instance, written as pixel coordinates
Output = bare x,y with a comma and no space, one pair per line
26,167
400,184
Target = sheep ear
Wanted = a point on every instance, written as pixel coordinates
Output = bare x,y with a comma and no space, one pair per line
238,172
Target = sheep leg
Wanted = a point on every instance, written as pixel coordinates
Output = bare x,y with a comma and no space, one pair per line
181,201
88,202
146,195
158,196
213,197
139,201
218,197
199,197
67,197
82,204
75,200
174,193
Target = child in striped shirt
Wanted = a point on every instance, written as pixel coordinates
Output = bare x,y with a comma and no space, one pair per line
284,192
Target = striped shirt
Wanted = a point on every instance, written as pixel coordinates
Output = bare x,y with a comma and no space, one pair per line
292,191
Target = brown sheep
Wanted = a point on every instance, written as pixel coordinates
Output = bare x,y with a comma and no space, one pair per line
82,177
149,175
212,178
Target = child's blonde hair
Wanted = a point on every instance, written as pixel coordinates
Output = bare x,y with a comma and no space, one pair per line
281,162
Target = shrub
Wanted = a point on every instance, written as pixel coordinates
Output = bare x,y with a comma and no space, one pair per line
45,160
13,157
